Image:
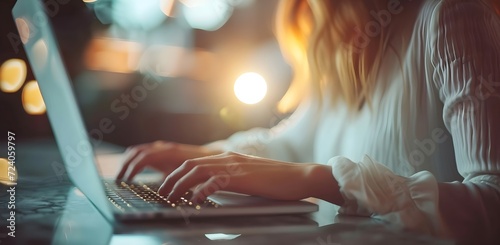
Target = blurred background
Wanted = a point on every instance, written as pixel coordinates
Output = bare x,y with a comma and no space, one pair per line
189,71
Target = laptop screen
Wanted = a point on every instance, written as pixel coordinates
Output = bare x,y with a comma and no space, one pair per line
108,72
63,111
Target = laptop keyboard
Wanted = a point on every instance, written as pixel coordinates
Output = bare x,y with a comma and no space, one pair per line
124,195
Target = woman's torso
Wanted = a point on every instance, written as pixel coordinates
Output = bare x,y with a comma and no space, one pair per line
402,127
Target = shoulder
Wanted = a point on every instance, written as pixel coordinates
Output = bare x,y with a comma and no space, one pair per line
463,7
452,13
461,25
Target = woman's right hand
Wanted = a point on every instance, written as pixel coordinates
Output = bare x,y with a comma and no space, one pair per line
160,155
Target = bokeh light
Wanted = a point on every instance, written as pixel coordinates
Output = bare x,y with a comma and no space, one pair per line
113,55
12,75
23,29
144,14
33,102
5,178
208,15
250,88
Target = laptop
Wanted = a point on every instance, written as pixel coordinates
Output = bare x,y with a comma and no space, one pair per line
116,201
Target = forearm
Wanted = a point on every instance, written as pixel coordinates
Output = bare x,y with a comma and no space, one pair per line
471,212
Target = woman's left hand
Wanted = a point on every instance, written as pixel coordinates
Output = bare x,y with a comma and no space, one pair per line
248,175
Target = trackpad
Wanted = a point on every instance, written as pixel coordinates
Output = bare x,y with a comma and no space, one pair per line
231,199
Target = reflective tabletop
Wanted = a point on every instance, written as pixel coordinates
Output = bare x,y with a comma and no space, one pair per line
50,210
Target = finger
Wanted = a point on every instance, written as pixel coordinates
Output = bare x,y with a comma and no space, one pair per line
147,157
137,166
130,155
188,165
197,175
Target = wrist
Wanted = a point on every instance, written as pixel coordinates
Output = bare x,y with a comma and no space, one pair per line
322,185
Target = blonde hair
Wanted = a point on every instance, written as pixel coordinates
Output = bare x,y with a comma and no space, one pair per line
320,39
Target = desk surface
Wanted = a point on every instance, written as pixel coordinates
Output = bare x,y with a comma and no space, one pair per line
49,210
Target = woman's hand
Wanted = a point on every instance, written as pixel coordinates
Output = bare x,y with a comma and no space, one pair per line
163,156
250,175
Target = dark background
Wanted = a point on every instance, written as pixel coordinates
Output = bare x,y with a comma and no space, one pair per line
189,108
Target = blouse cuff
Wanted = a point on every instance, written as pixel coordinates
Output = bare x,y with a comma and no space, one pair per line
371,189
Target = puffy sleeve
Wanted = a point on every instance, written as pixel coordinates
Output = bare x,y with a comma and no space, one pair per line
291,140
466,64
463,52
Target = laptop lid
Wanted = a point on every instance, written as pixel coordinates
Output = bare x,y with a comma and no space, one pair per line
63,112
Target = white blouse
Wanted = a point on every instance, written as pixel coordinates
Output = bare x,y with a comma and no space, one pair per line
437,106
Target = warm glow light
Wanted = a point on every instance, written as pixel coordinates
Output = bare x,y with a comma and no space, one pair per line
250,88
89,1
32,99
5,169
113,55
12,75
